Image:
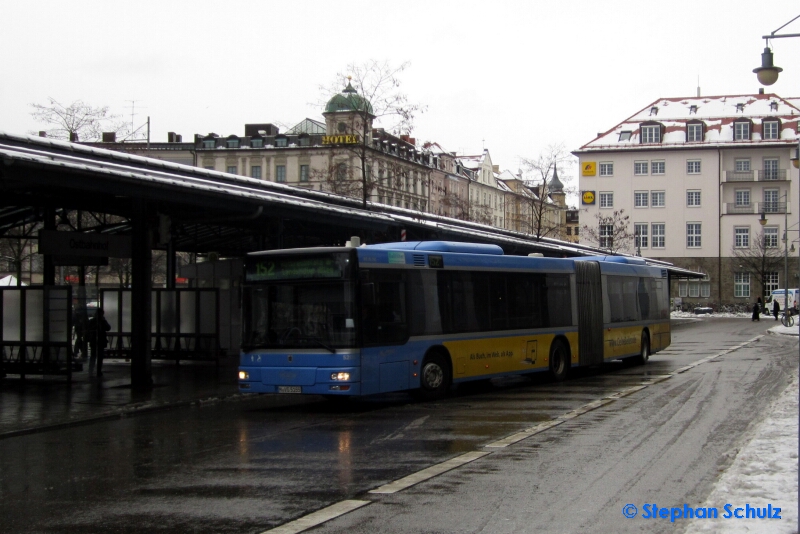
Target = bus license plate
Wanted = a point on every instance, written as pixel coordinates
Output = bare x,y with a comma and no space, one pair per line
290,389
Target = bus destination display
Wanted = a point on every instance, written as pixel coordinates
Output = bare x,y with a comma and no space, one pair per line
283,268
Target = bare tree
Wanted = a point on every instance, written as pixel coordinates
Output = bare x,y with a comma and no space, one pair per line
759,259
76,122
539,172
610,232
372,93
338,178
16,246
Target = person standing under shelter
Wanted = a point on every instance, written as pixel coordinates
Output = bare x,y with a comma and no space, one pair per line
96,329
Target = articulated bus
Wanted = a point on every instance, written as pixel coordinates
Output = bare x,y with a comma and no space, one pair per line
362,320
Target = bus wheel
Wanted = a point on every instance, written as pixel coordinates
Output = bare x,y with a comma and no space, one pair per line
434,377
644,353
559,361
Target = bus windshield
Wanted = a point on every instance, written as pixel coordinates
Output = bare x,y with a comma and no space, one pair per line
314,314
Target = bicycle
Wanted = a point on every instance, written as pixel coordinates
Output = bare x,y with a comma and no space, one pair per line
787,320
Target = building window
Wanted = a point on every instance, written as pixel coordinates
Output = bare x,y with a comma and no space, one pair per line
281,142
770,129
606,200
694,133
625,135
771,237
770,168
232,143
693,166
640,167
255,171
658,199
303,173
657,167
742,198
694,289
741,285
341,171
771,204
693,235
640,199
658,231
606,235
640,235
705,289
741,131
280,173
231,169
256,143
693,199
569,230
770,282
683,289
742,164
209,143
606,169
651,134
741,237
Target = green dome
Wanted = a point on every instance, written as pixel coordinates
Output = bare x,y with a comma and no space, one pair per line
348,100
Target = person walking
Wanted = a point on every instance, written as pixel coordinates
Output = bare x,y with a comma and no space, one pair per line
775,308
757,311
96,329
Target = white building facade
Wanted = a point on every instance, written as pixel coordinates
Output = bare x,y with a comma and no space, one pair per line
708,185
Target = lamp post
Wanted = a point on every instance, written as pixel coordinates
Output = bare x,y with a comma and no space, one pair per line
767,74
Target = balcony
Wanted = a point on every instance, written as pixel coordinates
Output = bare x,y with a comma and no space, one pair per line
765,175
731,208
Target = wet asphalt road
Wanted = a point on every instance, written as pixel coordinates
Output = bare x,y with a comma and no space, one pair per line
251,465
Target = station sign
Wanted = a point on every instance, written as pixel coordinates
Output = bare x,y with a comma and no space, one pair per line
75,244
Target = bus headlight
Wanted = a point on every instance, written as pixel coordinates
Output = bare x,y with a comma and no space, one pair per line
244,375
340,376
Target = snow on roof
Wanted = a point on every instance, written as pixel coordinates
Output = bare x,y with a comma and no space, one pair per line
718,113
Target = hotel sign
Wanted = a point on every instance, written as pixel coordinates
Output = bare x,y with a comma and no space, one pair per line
340,140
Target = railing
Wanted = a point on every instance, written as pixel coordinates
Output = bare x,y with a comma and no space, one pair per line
769,175
731,208
764,175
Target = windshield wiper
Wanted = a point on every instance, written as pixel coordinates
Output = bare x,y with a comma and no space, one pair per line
321,343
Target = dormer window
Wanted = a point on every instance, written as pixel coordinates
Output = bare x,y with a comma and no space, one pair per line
740,108
694,132
256,142
281,142
693,109
232,142
625,135
650,133
741,130
770,129
209,143
654,111
773,106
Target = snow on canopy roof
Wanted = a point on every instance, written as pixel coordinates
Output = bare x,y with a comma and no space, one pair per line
718,113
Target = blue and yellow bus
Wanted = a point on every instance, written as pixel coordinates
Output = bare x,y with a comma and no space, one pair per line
362,320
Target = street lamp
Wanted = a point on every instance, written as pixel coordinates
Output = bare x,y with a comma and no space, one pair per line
767,74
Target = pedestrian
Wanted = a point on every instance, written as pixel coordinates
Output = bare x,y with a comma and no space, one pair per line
96,330
775,308
79,327
756,311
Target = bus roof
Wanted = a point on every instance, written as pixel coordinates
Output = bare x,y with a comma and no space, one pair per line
441,246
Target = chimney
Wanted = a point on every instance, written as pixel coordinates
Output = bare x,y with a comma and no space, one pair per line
109,137
73,137
170,137
761,90
42,133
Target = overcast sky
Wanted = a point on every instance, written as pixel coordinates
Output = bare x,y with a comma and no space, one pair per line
513,76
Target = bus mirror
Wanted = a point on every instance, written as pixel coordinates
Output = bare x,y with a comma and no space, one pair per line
368,294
